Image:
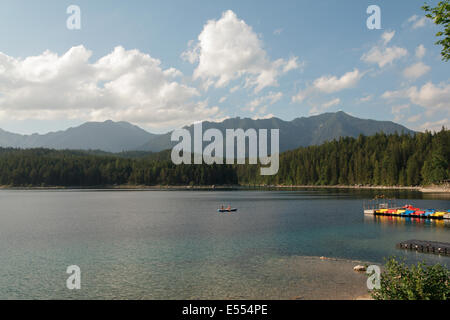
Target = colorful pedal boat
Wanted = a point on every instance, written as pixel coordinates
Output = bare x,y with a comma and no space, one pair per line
411,208
410,211
429,212
439,214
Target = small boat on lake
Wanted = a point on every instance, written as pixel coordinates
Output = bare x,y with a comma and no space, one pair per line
227,209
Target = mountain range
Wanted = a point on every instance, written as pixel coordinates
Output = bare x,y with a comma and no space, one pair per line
106,136
121,136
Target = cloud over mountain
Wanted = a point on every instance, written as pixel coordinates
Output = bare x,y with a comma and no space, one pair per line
123,85
434,98
330,84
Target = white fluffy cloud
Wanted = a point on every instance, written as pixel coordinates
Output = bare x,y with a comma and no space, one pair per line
400,108
228,49
330,84
271,98
434,98
260,116
324,106
436,125
416,71
414,118
301,95
331,103
420,51
366,98
399,111
234,89
382,55
387,36
417,22
123,85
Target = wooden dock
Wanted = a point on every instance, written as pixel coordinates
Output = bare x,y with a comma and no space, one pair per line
442,248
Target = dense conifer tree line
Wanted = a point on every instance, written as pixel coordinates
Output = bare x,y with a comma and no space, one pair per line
381,159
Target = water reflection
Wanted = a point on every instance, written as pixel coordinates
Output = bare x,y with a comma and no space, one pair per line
407,221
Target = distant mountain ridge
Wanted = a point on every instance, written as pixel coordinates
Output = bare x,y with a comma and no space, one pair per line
106,136
300,132
122,136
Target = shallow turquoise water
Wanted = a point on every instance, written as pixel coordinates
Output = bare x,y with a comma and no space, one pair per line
174,245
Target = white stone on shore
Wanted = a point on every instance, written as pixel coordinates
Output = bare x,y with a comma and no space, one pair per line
360,268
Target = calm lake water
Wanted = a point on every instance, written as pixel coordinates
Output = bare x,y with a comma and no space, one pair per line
174,245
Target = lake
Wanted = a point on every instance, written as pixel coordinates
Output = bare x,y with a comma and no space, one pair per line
174,245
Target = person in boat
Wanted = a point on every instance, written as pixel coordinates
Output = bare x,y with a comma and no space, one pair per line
222,208
229,208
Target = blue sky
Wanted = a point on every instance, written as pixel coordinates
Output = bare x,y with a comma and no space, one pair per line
166,64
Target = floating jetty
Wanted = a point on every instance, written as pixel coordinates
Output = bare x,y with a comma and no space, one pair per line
426,246
390,208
